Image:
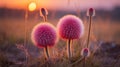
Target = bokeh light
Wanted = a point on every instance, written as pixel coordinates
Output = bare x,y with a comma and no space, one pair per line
32,6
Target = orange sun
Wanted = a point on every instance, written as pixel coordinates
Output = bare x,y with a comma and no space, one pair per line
32,6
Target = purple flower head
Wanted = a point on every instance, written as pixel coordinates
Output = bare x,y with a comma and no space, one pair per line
44,34
70,27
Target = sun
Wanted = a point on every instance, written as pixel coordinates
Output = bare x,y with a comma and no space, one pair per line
32,6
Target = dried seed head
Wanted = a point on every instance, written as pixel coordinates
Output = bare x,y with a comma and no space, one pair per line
44,34
70,27
91,12
43,12
85,52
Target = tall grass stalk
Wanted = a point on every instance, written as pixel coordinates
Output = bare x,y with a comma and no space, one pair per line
25,35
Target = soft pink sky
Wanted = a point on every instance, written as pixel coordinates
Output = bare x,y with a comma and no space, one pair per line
61,4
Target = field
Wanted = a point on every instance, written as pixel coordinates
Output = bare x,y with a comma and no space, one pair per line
105,45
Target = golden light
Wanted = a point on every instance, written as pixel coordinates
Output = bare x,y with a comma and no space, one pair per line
32,6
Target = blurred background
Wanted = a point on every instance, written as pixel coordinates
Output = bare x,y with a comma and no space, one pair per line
12,16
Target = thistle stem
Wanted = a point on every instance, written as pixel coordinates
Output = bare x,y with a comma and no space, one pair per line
45,18
25,35
46,52
88,39
26,17
69,50
84,62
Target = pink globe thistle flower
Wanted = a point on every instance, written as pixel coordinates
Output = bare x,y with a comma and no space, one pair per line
91,12
85,52
44,35
70,27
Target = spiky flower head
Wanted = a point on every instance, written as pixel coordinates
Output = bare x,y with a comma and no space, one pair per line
85,52
44,34
43,12
91,12
70,27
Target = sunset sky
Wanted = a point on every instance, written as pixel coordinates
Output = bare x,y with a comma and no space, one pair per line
61,4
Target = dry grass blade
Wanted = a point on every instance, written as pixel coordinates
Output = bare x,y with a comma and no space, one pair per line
78,61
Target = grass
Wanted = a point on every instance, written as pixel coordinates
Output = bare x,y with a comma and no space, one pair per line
4,62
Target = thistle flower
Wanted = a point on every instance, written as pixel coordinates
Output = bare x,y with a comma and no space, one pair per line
44,13
70,27
44,35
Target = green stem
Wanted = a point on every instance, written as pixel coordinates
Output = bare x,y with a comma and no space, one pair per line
69,50
89,31
46,52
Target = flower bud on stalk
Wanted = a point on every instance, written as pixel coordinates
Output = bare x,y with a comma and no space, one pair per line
44,13
90,13
85,53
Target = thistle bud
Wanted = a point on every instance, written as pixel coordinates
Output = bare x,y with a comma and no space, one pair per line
43,12
91,12
85,52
